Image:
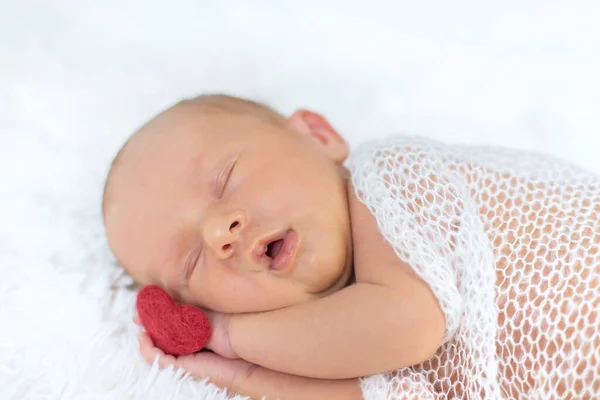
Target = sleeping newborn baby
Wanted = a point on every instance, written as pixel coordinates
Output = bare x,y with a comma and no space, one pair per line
413,269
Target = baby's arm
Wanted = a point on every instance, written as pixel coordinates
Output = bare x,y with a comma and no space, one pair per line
389,319
361,330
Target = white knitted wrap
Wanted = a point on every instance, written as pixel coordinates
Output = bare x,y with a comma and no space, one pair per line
509,243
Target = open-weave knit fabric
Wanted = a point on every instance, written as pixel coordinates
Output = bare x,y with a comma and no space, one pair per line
509,243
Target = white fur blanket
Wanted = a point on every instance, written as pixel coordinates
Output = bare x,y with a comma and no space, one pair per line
76,77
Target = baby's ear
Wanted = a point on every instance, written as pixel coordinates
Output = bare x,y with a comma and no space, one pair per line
320,130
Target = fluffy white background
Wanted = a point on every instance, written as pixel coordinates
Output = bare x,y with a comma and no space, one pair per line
76,77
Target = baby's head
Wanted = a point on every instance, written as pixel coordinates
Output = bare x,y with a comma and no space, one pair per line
230,206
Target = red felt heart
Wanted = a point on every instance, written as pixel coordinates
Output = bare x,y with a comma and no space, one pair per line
176,329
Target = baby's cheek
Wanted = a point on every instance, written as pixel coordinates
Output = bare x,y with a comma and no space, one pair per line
332,267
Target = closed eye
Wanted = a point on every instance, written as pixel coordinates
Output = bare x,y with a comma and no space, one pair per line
223,177
191,263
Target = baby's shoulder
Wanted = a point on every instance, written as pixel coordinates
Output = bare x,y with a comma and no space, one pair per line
401,162
405,173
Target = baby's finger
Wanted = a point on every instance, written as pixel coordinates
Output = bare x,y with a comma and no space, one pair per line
136,320
150,352
147,348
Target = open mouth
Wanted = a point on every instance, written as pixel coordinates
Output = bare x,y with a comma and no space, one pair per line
281,250
273,248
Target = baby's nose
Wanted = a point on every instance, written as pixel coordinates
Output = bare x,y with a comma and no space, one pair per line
222,233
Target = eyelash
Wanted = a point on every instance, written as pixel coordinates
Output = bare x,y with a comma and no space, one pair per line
224,176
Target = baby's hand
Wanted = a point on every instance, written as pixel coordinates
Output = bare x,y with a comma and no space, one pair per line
219,335
223,372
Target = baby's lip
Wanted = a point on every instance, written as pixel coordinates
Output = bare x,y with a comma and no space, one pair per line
286,255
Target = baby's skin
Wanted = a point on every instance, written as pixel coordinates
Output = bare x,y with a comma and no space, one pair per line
249,215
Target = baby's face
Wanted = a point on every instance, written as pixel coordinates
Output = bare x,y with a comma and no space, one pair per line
233,213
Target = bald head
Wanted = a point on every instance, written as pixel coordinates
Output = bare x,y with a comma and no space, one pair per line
177,117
